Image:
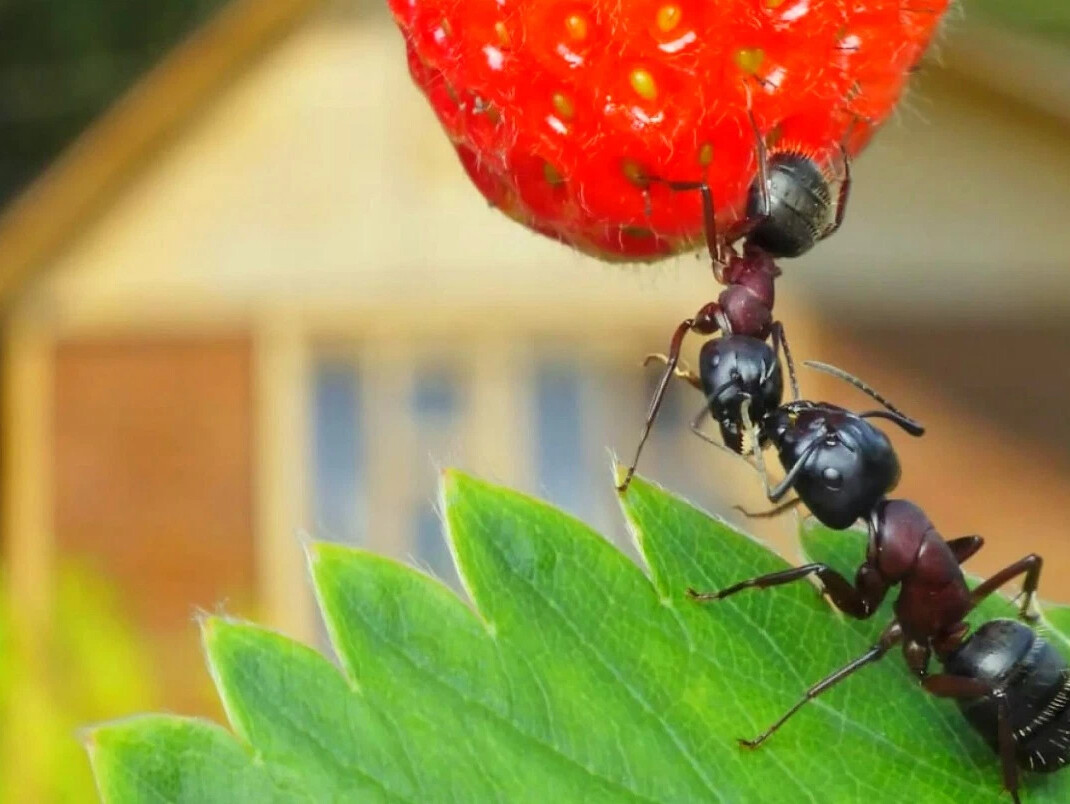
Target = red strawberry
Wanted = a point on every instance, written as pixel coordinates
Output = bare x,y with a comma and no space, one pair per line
560,108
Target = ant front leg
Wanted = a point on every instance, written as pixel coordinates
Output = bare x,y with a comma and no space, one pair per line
681,371
889,637
705,322
1029,566
719,250
770,513
858,601
946,685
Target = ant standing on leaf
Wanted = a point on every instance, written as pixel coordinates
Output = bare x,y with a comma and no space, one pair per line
1011,685
790,207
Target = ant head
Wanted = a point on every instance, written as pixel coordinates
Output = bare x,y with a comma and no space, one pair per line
800,210
739,370
847,465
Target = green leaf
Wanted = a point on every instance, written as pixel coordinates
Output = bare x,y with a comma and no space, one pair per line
574,676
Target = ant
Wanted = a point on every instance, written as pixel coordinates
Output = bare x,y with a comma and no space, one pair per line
839,464
789,209
1011,686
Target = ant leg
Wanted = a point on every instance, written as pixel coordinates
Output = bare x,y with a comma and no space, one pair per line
780,343
965,546
776,510
681,371
696,428
716,247
772,493
1007,745
908,423
1030,566
946,685
857,603
762,152
659,395
841,200
765,204
889,637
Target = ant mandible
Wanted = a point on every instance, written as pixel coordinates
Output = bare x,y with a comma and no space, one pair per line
1012,687
789,209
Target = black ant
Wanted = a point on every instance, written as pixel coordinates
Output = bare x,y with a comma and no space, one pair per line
789,209
839,464
1011,686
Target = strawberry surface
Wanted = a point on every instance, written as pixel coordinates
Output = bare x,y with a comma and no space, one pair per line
561,110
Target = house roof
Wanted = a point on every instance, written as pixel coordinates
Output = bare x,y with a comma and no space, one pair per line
65,198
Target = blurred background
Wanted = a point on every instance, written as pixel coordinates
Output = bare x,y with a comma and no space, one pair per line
248,297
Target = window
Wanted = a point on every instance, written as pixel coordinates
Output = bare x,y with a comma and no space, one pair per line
337,449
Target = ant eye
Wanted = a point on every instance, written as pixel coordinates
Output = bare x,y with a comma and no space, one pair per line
716,361
832,477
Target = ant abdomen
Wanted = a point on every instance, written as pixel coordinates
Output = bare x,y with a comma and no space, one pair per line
1034,680
739,369
800,206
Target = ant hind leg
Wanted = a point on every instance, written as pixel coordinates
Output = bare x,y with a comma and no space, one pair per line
1030,566
946,685
889,637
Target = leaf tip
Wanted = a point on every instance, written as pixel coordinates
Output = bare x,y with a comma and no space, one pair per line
453,483
210,623
322,555
314,554
215,627
87,736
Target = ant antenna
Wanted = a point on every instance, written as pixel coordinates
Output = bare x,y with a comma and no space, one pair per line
866,389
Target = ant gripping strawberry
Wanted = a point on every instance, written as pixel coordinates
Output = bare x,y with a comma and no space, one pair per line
560,110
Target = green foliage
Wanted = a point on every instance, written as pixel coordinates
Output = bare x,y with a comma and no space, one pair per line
63,61
1046,18
92,668
575,678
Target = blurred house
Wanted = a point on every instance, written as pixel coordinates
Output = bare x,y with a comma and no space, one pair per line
259,302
